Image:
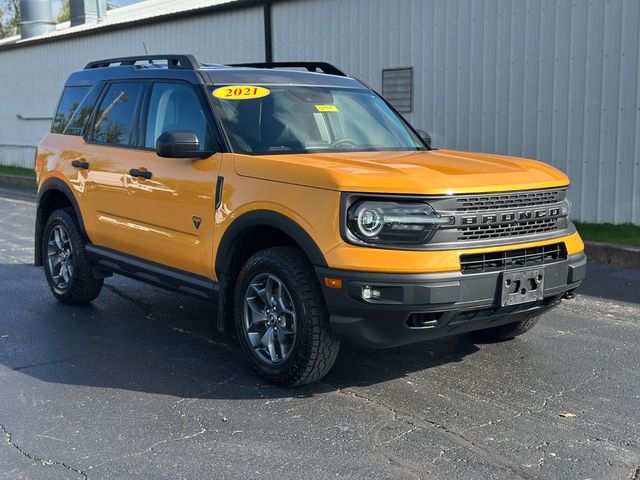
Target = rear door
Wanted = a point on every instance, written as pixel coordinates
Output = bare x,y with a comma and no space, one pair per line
110,140
171,208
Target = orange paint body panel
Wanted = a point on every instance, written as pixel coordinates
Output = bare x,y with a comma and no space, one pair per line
142,217
150,219
435,172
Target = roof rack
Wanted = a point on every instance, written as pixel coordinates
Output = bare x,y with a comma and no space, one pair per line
181,62
311,66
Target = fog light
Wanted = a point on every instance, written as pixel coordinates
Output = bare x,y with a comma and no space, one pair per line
369,293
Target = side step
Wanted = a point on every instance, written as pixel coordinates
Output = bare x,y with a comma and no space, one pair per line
152,273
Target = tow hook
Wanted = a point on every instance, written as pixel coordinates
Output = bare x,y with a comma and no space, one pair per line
570,295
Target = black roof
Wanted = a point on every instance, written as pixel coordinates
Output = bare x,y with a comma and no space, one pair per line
186,67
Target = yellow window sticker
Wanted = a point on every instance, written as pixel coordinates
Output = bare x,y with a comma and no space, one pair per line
327,108
240,92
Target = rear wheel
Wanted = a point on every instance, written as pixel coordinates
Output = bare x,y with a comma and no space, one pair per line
281,319
505,332
66,264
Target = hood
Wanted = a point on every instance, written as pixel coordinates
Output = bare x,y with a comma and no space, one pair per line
435,172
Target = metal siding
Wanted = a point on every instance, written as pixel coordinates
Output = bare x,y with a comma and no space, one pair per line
31,78
555,80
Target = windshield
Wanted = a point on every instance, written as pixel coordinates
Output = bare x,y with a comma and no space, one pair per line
286,119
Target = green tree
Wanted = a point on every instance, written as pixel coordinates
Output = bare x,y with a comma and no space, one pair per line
9,17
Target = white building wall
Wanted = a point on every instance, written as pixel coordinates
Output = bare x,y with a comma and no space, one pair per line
556,80
32,77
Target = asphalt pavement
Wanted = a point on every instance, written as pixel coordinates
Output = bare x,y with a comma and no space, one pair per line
140,385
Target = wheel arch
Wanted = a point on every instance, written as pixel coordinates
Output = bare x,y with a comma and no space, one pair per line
53,194
249,233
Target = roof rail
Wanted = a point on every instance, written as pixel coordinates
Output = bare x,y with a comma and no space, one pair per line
182,62
311,66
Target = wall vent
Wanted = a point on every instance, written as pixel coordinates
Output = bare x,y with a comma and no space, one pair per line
397,88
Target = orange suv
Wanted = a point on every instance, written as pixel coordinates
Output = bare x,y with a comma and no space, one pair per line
296,198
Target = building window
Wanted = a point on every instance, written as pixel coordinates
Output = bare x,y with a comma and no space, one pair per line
397,88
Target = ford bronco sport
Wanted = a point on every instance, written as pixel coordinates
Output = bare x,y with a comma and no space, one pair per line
297,199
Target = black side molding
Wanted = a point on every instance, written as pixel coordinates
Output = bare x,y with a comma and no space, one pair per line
152,273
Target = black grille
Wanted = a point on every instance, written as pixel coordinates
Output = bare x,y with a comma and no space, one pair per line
509,259
531,227
501,201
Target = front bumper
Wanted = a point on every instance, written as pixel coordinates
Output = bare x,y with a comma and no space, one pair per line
420,307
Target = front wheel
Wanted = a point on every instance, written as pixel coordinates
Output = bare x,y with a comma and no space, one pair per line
505,332
281,318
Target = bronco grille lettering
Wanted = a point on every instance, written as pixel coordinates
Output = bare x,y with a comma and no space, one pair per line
509,217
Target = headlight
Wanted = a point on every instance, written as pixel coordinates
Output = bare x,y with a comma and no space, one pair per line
382,222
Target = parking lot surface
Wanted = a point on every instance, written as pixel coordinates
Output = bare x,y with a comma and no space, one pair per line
141,385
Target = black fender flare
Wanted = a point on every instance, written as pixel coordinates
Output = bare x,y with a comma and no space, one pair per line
228,244
267,218
53,185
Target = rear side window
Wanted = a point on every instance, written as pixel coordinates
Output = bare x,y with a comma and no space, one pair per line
116,115
72,98
82,114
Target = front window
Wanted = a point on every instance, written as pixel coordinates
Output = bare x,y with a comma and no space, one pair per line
174,106
312,120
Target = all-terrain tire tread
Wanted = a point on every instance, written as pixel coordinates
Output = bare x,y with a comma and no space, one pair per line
84,286
506,332
318,348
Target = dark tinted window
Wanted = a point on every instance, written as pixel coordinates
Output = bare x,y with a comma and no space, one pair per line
116,114
175,106
71,99
82,113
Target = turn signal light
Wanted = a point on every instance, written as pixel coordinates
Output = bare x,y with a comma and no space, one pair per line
332,282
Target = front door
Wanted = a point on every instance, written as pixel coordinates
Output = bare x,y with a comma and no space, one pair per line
172,200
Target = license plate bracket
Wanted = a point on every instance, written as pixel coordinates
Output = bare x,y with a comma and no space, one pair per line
522,286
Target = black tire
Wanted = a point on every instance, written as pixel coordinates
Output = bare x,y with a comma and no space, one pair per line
82,287
315,348
505,332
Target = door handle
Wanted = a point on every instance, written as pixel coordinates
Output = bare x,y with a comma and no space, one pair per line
80,164
134,172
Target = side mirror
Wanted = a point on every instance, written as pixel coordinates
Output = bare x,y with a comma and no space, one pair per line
426,138
180,144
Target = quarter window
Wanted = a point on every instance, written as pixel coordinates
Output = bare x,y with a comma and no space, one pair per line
114,120
72,98
172,107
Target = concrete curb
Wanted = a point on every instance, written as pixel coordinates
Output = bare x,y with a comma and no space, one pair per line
18,180
613,254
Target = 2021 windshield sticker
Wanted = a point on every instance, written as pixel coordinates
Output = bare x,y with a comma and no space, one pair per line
240,92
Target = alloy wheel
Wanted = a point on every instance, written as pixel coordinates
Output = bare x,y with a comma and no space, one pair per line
269,318
60,257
